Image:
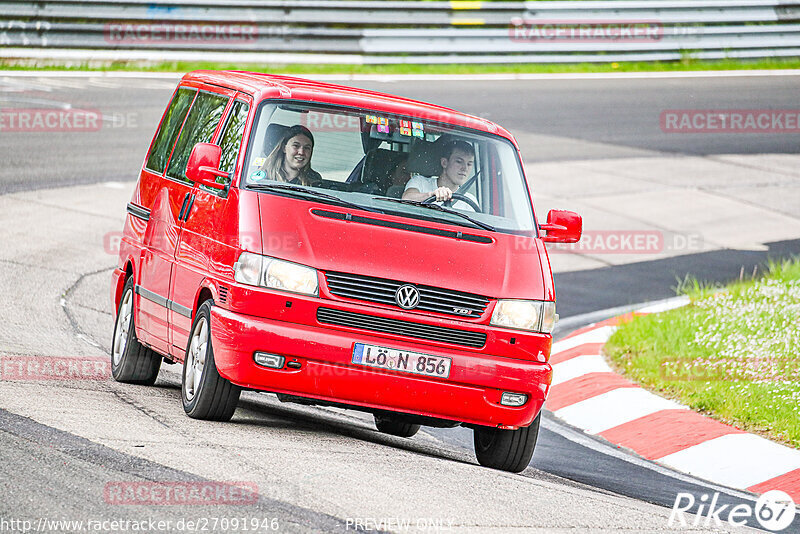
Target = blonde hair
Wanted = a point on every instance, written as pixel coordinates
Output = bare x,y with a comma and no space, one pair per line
273,165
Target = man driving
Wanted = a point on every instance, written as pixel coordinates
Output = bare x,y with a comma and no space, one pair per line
457,163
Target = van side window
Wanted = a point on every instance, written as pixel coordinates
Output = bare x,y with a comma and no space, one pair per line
168,130
200,126
232,137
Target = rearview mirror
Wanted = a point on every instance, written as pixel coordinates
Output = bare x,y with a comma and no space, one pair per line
203,166
562,227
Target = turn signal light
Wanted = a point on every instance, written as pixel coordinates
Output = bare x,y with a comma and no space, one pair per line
513,399
273,361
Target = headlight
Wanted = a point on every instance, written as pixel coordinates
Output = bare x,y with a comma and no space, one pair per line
255,270
525,315
279,274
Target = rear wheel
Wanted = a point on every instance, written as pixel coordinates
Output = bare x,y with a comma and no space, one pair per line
131,362
206,395
507,450
395,427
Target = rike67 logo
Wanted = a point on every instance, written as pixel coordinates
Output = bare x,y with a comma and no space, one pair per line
774,511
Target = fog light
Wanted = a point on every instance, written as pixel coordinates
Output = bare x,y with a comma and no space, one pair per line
513,399
273,361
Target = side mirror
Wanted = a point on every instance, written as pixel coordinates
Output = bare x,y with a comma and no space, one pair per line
562,227
203,165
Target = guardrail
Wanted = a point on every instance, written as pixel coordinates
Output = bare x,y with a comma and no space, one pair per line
402,32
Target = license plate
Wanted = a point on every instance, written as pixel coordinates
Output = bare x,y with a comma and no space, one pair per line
401,360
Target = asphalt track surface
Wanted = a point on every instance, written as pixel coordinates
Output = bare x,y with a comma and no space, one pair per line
553,120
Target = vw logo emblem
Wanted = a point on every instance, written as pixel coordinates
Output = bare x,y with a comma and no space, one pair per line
407,297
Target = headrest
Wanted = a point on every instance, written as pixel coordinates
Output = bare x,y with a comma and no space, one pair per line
425,158
381,163
273,136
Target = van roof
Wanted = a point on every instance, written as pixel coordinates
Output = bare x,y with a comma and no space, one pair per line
264,86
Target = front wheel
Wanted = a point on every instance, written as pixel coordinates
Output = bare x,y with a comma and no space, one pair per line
507,450
131,362
205,394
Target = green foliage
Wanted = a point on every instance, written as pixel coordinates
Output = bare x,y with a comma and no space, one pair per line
455,68
732,353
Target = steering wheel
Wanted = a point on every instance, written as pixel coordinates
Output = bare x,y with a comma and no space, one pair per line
456,196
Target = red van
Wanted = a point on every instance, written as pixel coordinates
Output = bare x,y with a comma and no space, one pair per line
340,247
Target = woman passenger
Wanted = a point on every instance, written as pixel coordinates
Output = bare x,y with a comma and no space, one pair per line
290,160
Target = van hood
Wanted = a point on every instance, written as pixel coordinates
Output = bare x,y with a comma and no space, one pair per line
320,236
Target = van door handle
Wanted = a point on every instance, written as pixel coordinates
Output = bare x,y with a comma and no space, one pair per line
183,207
189,209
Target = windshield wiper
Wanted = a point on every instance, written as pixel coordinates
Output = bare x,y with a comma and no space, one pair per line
317,194
437,207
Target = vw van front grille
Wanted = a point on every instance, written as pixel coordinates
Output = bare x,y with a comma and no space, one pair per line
382,290
401,328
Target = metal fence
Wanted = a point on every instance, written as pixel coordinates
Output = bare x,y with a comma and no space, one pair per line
401,32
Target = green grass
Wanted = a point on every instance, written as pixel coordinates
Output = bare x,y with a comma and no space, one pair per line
731,354
687,64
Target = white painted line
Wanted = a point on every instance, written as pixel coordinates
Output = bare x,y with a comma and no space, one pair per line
89,74
595,444
614,408
570,75
579,366
598,335
89,340
436,77
256,58
574,322
666,306
737,460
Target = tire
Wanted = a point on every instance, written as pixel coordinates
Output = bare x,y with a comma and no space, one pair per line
506,450
131,362
395,427
205,394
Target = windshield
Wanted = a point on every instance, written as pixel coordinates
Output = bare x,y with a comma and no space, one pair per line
372,160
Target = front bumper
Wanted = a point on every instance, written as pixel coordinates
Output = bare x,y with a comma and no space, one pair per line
471,394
